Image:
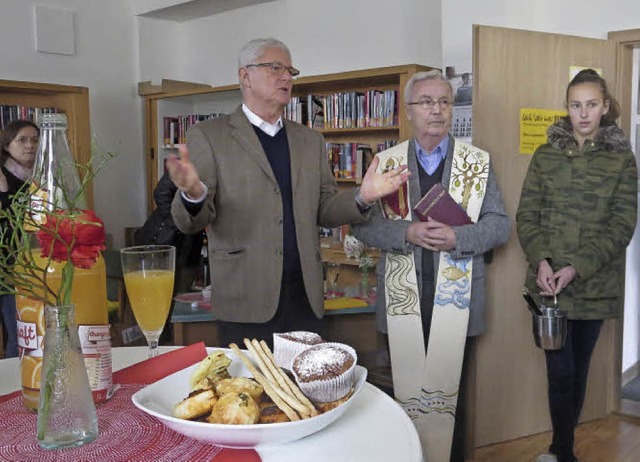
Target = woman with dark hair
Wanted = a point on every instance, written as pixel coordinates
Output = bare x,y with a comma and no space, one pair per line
18,144
576,216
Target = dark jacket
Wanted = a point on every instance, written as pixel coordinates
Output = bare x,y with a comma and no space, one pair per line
578,207
160,229
6,199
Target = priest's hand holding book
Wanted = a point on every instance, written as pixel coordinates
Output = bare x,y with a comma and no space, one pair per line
432,235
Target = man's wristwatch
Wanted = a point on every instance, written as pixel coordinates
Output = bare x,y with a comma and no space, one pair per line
362,204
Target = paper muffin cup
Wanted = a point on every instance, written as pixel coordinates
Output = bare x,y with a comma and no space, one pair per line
285,349
330,389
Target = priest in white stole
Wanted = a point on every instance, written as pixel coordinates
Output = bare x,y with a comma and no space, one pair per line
431,275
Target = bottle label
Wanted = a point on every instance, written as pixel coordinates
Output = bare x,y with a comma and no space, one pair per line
28,338
95,341
37,207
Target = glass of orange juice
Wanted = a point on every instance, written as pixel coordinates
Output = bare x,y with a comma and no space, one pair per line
148,276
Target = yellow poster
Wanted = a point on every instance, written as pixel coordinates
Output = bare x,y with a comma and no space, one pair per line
533,127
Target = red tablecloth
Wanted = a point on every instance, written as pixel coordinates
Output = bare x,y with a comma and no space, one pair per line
125,432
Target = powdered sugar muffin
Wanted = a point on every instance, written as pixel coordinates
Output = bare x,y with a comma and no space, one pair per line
325,372
287,345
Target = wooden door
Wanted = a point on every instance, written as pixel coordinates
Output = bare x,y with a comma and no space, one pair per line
515,69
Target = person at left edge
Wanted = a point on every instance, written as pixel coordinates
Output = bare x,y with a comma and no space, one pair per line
18,146
262,185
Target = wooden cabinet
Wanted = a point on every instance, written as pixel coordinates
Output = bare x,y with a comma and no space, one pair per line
71,100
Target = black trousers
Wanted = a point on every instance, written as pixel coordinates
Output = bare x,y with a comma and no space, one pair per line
567,371
294,313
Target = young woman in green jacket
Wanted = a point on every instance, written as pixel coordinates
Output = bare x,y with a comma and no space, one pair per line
576,216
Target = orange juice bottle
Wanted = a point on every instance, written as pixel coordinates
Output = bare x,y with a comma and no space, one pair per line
55,186
89,295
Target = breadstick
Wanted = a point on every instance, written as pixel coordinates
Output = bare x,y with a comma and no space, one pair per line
289,399
260,360
268,389
277,374
292,385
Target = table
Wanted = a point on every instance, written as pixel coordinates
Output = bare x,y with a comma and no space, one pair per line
373,429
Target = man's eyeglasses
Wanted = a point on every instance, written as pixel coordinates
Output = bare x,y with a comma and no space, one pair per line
277,68
26,139
429,104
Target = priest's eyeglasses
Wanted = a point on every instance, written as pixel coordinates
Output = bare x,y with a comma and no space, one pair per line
277,68
429,104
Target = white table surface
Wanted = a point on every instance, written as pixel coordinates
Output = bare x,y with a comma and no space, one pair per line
373,429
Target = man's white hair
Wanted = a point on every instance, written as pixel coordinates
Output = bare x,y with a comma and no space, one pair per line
433,74
255,49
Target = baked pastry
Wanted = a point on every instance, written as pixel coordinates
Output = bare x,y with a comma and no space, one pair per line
210,370
197,404
288,345
271,413
240,384
325,372
236,409
326,407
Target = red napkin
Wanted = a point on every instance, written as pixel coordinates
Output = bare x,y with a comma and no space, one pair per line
154,369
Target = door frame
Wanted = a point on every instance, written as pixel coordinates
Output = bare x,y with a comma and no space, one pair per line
625,41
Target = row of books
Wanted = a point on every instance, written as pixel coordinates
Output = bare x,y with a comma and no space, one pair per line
295,110
373,108
386,145
175,128
9,113
349,161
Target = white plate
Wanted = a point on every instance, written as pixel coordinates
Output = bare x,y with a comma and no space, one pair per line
159,399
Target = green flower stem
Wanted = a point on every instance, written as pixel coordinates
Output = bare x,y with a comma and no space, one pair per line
67,281
47,389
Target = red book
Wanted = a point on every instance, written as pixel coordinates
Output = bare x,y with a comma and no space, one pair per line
439,205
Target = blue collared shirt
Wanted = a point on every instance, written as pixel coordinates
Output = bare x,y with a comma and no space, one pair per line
431,160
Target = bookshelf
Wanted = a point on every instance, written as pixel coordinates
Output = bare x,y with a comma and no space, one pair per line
71,100
175,98
172,98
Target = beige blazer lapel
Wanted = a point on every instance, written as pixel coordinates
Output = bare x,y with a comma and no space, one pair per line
296,152
242,131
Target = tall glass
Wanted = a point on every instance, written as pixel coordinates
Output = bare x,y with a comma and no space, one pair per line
149,273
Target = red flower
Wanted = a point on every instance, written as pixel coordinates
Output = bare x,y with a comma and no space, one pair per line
77,235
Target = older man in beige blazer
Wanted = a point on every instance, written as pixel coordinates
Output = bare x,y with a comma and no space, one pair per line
261,185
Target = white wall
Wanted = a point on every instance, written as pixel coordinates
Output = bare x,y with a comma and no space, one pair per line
324,37
103,62
594,19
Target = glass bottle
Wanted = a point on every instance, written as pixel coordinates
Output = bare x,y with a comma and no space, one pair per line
56,185
66,413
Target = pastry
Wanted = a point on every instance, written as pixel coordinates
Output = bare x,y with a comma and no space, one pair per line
325,372
288,345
